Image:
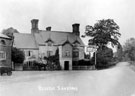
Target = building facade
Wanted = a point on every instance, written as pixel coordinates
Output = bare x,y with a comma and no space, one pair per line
44,43
5,51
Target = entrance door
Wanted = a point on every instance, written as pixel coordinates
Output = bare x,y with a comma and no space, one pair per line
66,65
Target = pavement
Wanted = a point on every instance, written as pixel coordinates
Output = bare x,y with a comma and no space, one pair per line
116,81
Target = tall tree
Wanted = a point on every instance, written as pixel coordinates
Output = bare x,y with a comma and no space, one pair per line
102,33
129,50
17,55
9,31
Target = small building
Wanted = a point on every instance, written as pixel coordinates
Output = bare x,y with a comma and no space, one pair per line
44,43
5,50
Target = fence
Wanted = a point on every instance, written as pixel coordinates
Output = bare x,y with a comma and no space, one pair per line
83,67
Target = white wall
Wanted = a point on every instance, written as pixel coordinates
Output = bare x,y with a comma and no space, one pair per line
62,49
34,53
43,50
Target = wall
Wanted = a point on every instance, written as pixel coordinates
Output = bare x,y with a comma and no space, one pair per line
81,53
63,58
43,50
7,49
33,55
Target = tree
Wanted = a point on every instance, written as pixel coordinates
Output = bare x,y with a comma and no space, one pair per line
9,32
17,55
53,61
103,56
129,50
102,33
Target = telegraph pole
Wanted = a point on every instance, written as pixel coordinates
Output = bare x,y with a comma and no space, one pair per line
93,48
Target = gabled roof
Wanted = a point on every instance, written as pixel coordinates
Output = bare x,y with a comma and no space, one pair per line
4,36
76,41
49,40
58,37
23,40
67,42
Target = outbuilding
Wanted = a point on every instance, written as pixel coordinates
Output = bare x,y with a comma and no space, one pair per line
5,50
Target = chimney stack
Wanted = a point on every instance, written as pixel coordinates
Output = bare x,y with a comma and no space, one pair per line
48,28
76,29
34,25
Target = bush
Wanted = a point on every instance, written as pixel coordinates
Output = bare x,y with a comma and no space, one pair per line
104,56
17,55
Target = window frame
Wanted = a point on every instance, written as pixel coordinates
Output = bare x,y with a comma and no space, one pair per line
49,53
67,53
3,55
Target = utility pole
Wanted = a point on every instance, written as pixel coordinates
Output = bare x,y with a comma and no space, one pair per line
93,48
95,59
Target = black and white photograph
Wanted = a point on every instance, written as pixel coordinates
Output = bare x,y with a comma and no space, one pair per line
67,47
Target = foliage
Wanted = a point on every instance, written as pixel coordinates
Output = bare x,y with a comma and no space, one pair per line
17,55
86,56
103,32
84,63
53,61
103,57
129,50
9,32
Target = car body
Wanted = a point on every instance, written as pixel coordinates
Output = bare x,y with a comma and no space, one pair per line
5,69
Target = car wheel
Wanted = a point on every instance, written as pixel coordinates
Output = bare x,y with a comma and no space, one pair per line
1,73
9,73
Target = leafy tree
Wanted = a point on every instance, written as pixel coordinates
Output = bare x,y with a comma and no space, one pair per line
103,57
9,32
17,55
102,33
53,61
129,50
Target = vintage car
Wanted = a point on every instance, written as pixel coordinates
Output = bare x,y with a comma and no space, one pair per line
5,69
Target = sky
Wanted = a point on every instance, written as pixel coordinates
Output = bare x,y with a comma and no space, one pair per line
61,14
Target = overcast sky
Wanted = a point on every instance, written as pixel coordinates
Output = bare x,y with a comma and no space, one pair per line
61,14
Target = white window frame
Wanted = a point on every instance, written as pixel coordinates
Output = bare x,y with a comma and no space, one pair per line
67,53
28,53
4,55
49,53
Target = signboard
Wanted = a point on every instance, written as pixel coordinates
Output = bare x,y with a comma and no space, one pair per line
91,48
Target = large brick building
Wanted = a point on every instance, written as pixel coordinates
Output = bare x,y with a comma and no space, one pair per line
43,43
5,50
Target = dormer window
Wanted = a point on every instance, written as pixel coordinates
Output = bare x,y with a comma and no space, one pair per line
2,42
49,42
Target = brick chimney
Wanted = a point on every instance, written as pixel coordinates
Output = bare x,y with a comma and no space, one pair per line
34,25
76,29
48,28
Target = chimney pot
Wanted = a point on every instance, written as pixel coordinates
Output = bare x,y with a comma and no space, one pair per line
48,28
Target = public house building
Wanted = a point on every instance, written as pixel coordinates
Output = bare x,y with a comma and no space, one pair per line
44,43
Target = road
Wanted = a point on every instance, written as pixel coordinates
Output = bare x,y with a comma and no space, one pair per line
117,81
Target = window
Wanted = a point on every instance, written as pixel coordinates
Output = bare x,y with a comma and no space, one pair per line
28,53
49,53
67,53
49,43
75,54
2,55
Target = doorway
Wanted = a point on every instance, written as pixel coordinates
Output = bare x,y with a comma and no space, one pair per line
66,65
